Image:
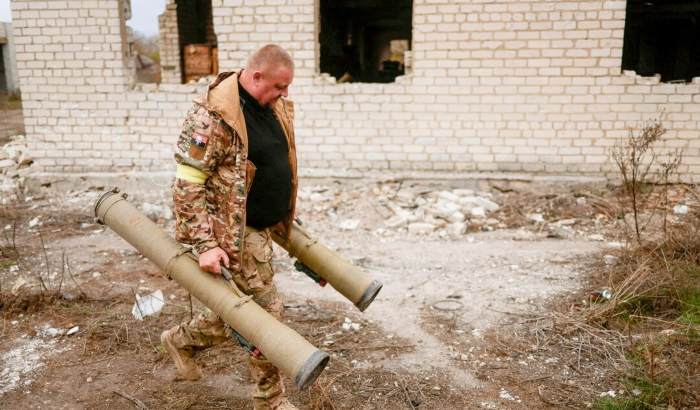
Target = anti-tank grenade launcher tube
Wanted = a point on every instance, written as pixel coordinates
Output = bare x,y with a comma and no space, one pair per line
282,346
326,266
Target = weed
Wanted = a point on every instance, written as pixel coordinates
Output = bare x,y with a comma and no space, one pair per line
641,170
77,309
656,286
690,307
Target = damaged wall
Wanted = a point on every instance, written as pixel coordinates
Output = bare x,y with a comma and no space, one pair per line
530,87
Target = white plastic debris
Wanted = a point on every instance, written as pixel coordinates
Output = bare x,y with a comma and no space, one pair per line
34,222
536,217
680,209
349,224
149,305
72,330
609,259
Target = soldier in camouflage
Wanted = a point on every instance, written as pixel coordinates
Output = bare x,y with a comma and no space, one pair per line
236,182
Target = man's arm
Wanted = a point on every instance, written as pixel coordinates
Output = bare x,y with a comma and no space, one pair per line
200,148
189,198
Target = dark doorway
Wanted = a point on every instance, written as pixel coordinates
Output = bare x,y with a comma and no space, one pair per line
365,40
198,45
3,75
663,37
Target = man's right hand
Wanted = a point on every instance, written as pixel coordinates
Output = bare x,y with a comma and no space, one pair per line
212,260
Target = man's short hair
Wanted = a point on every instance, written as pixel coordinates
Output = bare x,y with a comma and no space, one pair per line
270,56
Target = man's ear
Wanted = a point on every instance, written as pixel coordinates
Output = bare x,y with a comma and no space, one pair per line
257,76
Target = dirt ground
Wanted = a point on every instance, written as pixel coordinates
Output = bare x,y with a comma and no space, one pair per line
460,323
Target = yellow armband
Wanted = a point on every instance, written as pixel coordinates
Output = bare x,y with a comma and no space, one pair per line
191,174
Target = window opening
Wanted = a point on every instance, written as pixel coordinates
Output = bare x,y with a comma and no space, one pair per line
663,37
198,45
3,74
365,40
145,48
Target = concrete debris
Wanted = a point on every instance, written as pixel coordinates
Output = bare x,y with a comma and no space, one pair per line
14,166
395,209
349,224
19,284
420,228
486,204
156,212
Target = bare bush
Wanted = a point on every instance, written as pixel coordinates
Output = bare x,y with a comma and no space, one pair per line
641,169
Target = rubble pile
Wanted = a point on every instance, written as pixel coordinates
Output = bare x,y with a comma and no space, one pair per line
14,166
392,210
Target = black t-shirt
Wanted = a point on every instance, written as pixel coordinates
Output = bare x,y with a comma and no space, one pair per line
268,199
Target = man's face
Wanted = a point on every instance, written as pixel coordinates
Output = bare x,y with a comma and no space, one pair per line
273,84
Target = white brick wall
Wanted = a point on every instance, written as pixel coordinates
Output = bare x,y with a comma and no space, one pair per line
497,86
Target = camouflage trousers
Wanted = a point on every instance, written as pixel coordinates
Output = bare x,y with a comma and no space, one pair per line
207,329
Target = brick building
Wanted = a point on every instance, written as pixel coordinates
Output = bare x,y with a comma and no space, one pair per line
462,87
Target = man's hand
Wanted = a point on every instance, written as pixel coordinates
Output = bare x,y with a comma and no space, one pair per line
212,260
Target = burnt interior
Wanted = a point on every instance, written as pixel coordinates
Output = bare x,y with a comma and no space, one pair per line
364,40
3,79
663,37
195,27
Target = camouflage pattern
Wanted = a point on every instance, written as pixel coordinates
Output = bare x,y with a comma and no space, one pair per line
269,389
215,142
207,329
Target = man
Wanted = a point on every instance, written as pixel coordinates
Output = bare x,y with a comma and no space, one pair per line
236,181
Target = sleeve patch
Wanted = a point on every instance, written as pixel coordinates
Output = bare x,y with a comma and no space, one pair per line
199,140
198,147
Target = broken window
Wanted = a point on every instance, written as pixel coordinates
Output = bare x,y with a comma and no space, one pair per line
198,46
3,81
663,37
142,17
365,40
174,40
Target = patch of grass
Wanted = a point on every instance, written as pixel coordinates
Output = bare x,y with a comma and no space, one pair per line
618,403
690,307
632,309
77,309
5,265
639,394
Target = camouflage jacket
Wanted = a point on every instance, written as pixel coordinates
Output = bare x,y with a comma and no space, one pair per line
214,141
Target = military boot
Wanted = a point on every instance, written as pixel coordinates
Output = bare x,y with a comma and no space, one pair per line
184,360
286,405
282,404
268,393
